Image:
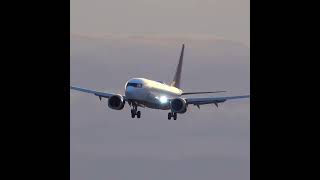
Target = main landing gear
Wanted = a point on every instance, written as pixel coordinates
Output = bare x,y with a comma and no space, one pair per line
172,114
135,112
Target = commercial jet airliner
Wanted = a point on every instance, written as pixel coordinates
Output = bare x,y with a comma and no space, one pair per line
141,92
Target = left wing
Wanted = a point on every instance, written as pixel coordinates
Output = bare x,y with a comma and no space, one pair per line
100,94
212,100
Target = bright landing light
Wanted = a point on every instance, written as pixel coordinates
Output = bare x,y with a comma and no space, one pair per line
163,99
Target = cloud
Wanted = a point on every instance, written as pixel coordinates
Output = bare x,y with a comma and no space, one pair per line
156,38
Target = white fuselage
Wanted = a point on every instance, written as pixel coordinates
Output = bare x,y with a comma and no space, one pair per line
149,93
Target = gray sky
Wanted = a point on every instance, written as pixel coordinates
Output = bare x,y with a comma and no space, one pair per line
229,19
202,144
113,41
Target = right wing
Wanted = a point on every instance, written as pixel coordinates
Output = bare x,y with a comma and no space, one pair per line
97,93
212,100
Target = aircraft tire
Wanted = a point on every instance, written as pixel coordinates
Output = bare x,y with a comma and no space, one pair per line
175,116
138,114
169,116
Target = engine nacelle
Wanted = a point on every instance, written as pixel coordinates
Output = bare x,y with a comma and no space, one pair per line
116,102
178,105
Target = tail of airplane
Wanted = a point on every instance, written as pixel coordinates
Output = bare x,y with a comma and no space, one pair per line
177,76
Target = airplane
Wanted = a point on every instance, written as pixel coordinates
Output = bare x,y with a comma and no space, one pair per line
142,92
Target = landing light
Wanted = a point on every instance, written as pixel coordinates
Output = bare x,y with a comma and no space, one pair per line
163,99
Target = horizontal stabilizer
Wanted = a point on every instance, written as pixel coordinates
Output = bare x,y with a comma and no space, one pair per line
207,92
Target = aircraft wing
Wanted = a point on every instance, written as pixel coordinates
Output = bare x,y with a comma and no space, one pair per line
100,94
212,100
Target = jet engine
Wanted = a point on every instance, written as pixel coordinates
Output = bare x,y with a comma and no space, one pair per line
116,102
178,105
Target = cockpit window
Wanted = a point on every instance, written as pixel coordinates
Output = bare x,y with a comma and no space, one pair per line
137,85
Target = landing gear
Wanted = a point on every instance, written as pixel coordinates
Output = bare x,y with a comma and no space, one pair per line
135,112
174,115
132,113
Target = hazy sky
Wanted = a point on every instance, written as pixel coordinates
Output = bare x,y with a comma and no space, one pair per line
202,144
229,19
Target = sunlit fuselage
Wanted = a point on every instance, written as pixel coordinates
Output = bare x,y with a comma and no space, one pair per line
149,93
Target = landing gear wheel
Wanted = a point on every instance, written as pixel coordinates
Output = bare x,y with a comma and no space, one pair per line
169,116
138,114
174,116
132,113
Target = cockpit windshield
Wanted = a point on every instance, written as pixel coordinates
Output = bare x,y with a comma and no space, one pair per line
137,85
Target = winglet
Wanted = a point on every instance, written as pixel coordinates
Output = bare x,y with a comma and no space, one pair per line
177,76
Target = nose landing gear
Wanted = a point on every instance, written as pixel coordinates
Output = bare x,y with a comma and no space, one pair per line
172,114
135,112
